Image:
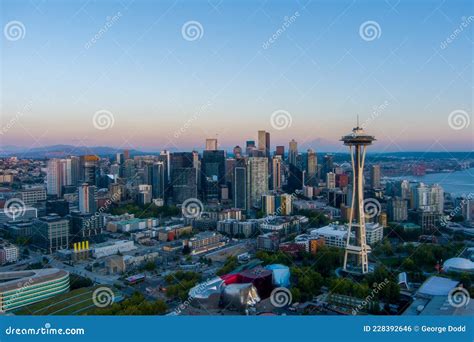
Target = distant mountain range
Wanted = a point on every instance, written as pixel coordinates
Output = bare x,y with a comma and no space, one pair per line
61,151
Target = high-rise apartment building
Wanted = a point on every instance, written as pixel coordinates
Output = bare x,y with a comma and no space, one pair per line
257,180
87,198
292,152
311,168
375,177
276,173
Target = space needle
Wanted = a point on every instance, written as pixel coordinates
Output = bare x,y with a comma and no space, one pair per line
357,250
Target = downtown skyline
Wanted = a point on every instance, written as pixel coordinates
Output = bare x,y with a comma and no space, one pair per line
168,92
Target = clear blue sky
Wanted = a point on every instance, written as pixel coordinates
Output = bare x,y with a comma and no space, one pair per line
156,83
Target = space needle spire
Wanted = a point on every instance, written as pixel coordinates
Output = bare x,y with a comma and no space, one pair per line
357,250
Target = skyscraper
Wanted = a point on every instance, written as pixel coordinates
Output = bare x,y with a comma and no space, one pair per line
237,152
280,151
165,156
257,180
397,209
90,169
249,147
312,168
119,158
357,248
183,176
437,198
55,177
211,144
267,144
375,177
331,180
276,173
328,165
262,140
239,187
213,171
87,198
155,176
292,152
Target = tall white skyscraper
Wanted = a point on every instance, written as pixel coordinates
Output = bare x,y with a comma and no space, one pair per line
56,176
87,198
257,180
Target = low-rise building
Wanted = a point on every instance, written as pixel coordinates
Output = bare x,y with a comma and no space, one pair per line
268,242
204,242
334,235
22,288
101,250
8,253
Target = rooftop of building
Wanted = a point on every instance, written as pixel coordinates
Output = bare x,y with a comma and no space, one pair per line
460,264
52,218
10,280
437,286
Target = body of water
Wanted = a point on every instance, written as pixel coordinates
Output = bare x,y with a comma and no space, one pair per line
456,183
